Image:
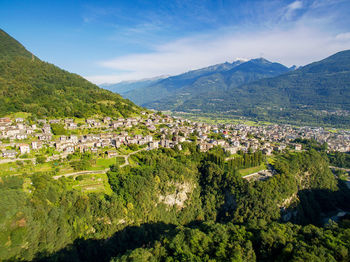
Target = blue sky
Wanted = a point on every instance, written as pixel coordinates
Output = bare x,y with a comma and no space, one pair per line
112,41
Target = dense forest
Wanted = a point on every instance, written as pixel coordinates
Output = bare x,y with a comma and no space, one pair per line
28,84
173,205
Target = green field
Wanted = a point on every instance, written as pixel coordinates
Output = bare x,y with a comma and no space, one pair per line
251,170
92,183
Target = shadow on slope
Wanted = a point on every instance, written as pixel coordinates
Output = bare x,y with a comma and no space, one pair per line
104,249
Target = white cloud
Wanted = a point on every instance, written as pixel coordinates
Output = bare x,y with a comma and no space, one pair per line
299,42
295,46
295,5
343,36
291,9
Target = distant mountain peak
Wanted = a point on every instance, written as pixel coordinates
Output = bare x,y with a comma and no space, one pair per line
260,60
240,59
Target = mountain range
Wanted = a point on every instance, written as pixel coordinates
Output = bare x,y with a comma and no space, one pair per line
200,84
30,85
317,93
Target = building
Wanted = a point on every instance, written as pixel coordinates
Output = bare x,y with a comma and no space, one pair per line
24,148
9,153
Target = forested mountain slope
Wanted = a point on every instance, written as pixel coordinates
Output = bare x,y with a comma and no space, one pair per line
185,205
30,85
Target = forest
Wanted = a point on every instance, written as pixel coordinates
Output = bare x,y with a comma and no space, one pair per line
173,205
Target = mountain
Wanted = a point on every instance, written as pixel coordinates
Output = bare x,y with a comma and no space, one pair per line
28,84
197,86
316,93
127,86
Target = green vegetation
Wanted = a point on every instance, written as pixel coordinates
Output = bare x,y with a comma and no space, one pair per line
42,89
339,159
58,129
172,205
274,242
251,170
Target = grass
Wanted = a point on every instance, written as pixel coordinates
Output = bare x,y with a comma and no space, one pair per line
27,186
271,160
93,183
22,167
23,115
251,170
8,169
103,163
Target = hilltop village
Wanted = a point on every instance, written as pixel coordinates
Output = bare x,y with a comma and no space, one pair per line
104,136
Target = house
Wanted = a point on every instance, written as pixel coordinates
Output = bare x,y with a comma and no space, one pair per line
231,150
54,121
111,154
21,136
68,121
5,121
72,126
153,145
9,153
149,138
298,147
73,139
36,145
69,149
41,121
47,129
106,120
45,137
267,151
94,150
90,121
24,148
19,120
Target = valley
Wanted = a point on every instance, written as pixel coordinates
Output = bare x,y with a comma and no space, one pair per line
245,160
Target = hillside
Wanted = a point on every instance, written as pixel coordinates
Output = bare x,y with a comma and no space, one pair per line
196,87
182,205
28,84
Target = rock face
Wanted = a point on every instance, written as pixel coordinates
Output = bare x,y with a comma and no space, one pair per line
179,197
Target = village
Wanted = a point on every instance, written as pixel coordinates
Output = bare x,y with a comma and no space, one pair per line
18,137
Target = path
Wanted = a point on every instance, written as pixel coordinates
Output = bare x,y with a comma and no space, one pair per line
126,157
86,172
340,168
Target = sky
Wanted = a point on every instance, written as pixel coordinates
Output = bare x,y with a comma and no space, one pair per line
113,41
